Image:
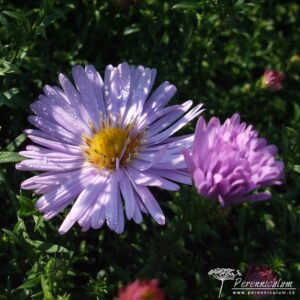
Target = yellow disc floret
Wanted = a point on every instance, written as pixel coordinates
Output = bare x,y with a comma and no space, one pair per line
111,144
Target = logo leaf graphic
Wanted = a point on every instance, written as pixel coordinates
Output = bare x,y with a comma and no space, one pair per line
223,274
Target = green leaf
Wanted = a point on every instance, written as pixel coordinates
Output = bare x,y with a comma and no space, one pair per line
39,222
186,5
131,30
16,143
64,297
52,248
13,14
239,3
7,67
18,240
50,19
12,99
26,206
3,20
29,284
3,100
297,168
10,157
46,247
269,223
47,293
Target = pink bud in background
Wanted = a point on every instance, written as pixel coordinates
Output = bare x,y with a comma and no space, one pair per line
141,290
261,274
273,80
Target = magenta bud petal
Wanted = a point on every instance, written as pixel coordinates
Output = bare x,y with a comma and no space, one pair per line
229,161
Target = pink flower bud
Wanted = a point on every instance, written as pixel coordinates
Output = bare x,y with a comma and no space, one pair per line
141,290
264,275
273,80
229,161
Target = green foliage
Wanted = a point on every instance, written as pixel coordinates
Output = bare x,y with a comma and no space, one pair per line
214,52
9,157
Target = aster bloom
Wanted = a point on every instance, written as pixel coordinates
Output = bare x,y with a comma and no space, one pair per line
229,161
102,144
272,80
141,290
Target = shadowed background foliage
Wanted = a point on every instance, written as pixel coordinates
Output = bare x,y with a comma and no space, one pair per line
214,52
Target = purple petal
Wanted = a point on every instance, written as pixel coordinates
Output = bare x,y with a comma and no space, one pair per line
148,178
189,160
253,198
142,82
59,112
87,94
148,117
137,216
175,175
98,213
52,178
74,98
43,139
160,97
142,165
120,215
53,130
81,205
111,205
63,194
98,217
178,125
169,118
128,196
175,162
97,85
44,165
151,204
53,157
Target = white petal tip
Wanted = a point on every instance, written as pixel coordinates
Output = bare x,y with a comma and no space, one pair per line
61,232
160,219
119,231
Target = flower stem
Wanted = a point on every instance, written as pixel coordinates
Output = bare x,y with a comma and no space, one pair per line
221,289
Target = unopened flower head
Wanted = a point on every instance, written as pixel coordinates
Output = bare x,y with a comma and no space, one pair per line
141,290
102,143
272,80
229,161
260,273
261,276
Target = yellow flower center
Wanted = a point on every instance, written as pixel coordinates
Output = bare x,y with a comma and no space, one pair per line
111,146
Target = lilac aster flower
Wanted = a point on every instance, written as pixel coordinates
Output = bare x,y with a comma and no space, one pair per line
102,144
229,161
